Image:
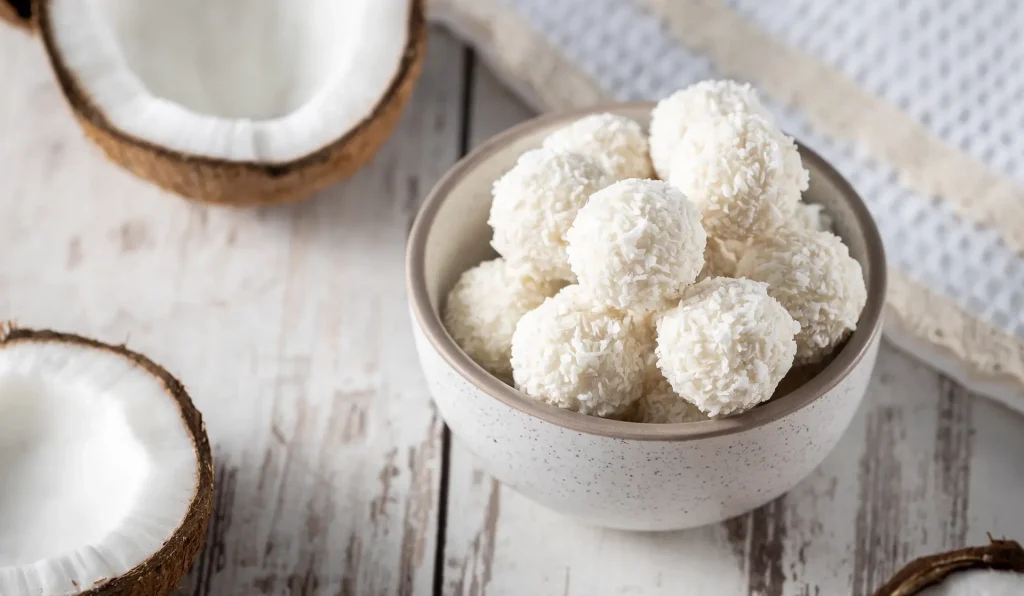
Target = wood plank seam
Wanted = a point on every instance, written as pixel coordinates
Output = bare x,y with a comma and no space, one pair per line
469,70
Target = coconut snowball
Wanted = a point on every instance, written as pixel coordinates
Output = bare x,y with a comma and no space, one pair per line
482,310
744,175
636,244
536,202
674,115
660,404
617,143
813,275
575,354
726,346
812,217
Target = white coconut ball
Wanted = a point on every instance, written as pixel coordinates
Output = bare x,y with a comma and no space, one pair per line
726,346
812,217
575,354
674,115
483,307
813,275
536,202
636,244
660,404
617,143
744,175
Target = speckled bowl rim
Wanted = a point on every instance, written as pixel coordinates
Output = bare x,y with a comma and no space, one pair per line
853,352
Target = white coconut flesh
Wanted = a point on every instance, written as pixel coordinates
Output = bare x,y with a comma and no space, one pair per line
264,81
97,467
980,582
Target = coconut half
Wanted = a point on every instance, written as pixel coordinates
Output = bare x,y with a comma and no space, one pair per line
106,478
236,101
993,570
17,12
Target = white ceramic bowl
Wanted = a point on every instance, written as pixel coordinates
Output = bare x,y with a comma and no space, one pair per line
623,474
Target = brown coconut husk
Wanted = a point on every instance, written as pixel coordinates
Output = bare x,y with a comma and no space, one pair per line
161,572
1006,555
240,183
17,13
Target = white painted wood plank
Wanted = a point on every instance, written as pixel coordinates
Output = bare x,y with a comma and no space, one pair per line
288,325
924,467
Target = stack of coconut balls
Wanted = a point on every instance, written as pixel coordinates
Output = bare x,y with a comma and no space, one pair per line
675,299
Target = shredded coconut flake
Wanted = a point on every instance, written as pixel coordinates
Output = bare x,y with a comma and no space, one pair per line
536,202
636,245
721,257
483,308
617,143
578,355
744,175
674,115
726,346
812,274
730,210
660,404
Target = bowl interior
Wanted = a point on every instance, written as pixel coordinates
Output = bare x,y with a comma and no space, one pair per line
451,234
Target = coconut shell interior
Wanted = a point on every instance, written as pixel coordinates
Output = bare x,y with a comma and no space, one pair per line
161,573
1005,555
240,183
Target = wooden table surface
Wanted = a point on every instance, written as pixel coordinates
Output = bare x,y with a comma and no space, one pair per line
335,474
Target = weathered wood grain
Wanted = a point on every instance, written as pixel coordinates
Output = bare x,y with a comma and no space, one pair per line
289,326
925,466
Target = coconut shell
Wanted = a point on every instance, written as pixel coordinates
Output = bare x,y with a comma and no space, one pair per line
17,12
1006,555
240,183
162,572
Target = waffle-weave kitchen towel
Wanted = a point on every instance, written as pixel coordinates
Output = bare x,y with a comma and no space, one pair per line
919,104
